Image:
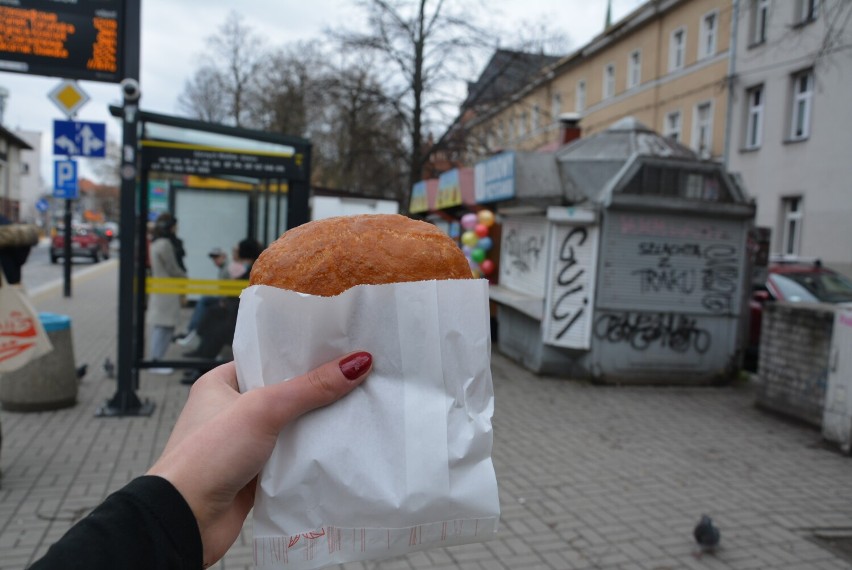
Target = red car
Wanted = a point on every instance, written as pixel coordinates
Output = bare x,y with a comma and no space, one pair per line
795,282
85,242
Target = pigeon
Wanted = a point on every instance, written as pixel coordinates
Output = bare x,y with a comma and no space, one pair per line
81,371
706,535
109,368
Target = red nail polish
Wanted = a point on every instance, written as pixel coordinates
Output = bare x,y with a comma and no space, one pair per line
354,365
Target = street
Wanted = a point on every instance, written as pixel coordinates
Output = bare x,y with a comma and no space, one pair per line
38,273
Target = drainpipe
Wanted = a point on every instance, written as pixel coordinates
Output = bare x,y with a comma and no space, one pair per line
732,68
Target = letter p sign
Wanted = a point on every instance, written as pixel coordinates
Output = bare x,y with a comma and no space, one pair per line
65,179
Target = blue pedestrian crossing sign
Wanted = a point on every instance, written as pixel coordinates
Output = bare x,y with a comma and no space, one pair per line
65,179
78,138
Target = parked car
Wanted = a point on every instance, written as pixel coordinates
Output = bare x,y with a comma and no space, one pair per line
795,282
85,242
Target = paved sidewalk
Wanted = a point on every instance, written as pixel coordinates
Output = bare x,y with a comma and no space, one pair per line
590,476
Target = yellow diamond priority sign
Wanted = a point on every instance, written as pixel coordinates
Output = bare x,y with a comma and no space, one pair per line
69,97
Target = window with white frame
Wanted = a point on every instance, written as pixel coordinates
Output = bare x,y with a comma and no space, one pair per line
702,129
522,125
674,126
534,118
754,117
707,37
580,98
677,49
803,91
609,81
806,11
555,106
511,134
791,234
759,21
634,69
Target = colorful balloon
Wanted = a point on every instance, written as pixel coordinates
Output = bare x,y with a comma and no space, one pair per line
469,238
466,249
477,255
487,267
486,218
481,230
485,243
468,221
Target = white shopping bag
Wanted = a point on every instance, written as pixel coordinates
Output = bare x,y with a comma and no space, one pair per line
22,336
401,464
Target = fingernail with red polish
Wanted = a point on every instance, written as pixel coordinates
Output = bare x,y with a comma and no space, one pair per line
354,365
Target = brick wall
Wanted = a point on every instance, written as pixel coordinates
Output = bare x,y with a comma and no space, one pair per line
795,343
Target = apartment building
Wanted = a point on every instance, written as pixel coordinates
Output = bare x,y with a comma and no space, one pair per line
665,64
791,123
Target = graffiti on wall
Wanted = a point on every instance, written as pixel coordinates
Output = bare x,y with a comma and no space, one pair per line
673,263
524,252
571,289
523,255
712,274
672,331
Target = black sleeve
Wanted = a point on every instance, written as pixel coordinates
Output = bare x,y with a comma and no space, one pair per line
146,525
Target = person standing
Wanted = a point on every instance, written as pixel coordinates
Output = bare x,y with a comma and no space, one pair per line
163,309
15,250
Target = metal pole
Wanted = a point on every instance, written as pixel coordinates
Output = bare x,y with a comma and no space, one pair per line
277,208
125,402
66,250
267,202
732,70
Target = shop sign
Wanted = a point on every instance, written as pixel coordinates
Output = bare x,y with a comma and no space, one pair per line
418,203
449,190
495,178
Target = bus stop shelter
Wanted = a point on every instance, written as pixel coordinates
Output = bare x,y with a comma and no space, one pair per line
223,184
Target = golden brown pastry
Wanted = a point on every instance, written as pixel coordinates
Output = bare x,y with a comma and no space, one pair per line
327,257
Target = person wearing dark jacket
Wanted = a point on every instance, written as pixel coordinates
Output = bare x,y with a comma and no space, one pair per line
188,510
12,258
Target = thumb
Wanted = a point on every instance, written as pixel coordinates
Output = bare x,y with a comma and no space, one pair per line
320,387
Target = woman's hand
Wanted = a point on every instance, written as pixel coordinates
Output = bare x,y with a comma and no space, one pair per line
223,438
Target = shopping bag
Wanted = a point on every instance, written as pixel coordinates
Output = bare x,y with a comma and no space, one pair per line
22,336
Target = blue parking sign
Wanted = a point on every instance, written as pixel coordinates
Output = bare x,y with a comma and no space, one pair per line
65,179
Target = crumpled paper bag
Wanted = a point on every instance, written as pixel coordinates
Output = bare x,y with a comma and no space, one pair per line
401,464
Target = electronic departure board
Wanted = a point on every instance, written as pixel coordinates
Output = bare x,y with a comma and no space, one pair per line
74,39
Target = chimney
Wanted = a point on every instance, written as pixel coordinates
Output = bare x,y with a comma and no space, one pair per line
569,127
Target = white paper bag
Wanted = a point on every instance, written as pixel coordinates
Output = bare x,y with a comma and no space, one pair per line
22,336
401,464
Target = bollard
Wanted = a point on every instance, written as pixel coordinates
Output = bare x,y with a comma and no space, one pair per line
48,382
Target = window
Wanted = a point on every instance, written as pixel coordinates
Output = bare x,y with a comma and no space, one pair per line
672,128
791,233
522,125
634,69
580,100
676,49
556,106
702,131
754,118
25,168
707,41
511,134
759,20
806,11
609,81
501,133
534,118
803,90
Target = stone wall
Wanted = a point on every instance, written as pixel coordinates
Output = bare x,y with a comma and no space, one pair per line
795,343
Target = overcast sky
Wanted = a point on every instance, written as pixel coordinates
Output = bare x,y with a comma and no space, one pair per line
174,32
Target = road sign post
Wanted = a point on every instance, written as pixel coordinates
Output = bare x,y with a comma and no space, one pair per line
65,186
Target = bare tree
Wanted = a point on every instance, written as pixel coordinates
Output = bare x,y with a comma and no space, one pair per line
221,89
203,96
425,43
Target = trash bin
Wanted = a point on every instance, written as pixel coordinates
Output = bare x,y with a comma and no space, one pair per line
48,382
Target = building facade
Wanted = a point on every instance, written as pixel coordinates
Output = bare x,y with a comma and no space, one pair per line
665,64
790,135
11,147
